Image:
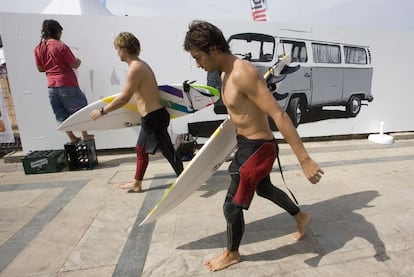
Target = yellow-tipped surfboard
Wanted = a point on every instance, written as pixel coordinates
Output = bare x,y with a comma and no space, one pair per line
207,160
179,99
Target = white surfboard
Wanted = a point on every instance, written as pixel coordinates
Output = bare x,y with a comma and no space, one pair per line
207,160
179,99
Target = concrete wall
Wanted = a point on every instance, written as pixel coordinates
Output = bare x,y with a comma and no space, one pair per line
102,74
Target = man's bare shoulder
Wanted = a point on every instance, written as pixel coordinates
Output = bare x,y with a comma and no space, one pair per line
140,66
245,75
244,70
137,64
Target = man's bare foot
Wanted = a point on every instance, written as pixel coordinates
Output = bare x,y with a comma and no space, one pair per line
134,186
226,259
302,221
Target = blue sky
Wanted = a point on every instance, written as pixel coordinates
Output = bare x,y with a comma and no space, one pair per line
389,14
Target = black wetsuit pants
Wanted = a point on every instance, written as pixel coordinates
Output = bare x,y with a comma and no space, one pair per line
154,134
249,173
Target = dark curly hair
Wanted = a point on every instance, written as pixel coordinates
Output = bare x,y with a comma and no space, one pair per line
51,29
204,36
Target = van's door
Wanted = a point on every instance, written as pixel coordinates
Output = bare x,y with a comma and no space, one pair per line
327,75
327,85
357,73
298,83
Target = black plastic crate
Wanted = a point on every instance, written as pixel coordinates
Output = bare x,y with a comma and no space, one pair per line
47,161
81,155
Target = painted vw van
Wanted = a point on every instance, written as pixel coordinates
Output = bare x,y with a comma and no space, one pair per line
330,74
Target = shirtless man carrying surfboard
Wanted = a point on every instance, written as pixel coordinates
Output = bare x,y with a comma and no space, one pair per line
141,84
249,104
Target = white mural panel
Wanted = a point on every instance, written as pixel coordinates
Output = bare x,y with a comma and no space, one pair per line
102,74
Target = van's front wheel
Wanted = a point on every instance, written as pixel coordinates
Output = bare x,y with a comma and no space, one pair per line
294,111
354,106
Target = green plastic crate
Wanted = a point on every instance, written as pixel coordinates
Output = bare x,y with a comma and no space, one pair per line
47,161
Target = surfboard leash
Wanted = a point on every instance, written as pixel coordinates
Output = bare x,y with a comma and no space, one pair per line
284,182
203,93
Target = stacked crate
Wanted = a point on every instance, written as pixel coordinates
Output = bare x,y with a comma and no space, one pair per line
81,155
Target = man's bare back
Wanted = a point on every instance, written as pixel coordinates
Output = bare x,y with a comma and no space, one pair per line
146,93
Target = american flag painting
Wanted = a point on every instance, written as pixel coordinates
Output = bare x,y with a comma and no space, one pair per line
259,10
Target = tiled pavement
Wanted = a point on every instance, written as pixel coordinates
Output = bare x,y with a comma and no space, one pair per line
77,223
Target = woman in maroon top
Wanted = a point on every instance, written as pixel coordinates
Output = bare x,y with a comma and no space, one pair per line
56,59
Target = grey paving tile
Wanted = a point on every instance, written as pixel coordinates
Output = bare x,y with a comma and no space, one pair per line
362,219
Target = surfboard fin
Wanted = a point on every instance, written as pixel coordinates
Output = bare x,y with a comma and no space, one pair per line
186,85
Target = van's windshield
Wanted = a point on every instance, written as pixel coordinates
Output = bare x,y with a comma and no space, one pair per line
253,47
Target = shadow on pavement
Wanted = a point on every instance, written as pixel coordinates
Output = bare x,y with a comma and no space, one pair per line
336,220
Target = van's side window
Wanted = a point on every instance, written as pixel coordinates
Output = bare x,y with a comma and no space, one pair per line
355,55
326,53
296,49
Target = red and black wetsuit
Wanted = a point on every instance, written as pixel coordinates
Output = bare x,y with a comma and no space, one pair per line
154,134
249,171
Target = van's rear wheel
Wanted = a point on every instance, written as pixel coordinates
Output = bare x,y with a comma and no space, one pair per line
294,111
354,106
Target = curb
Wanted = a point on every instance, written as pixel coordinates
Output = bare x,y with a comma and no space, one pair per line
17,156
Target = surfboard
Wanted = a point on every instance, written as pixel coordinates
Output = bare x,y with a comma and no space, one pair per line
207,160
179,99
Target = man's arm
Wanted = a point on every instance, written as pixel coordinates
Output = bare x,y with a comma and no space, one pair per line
255,88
